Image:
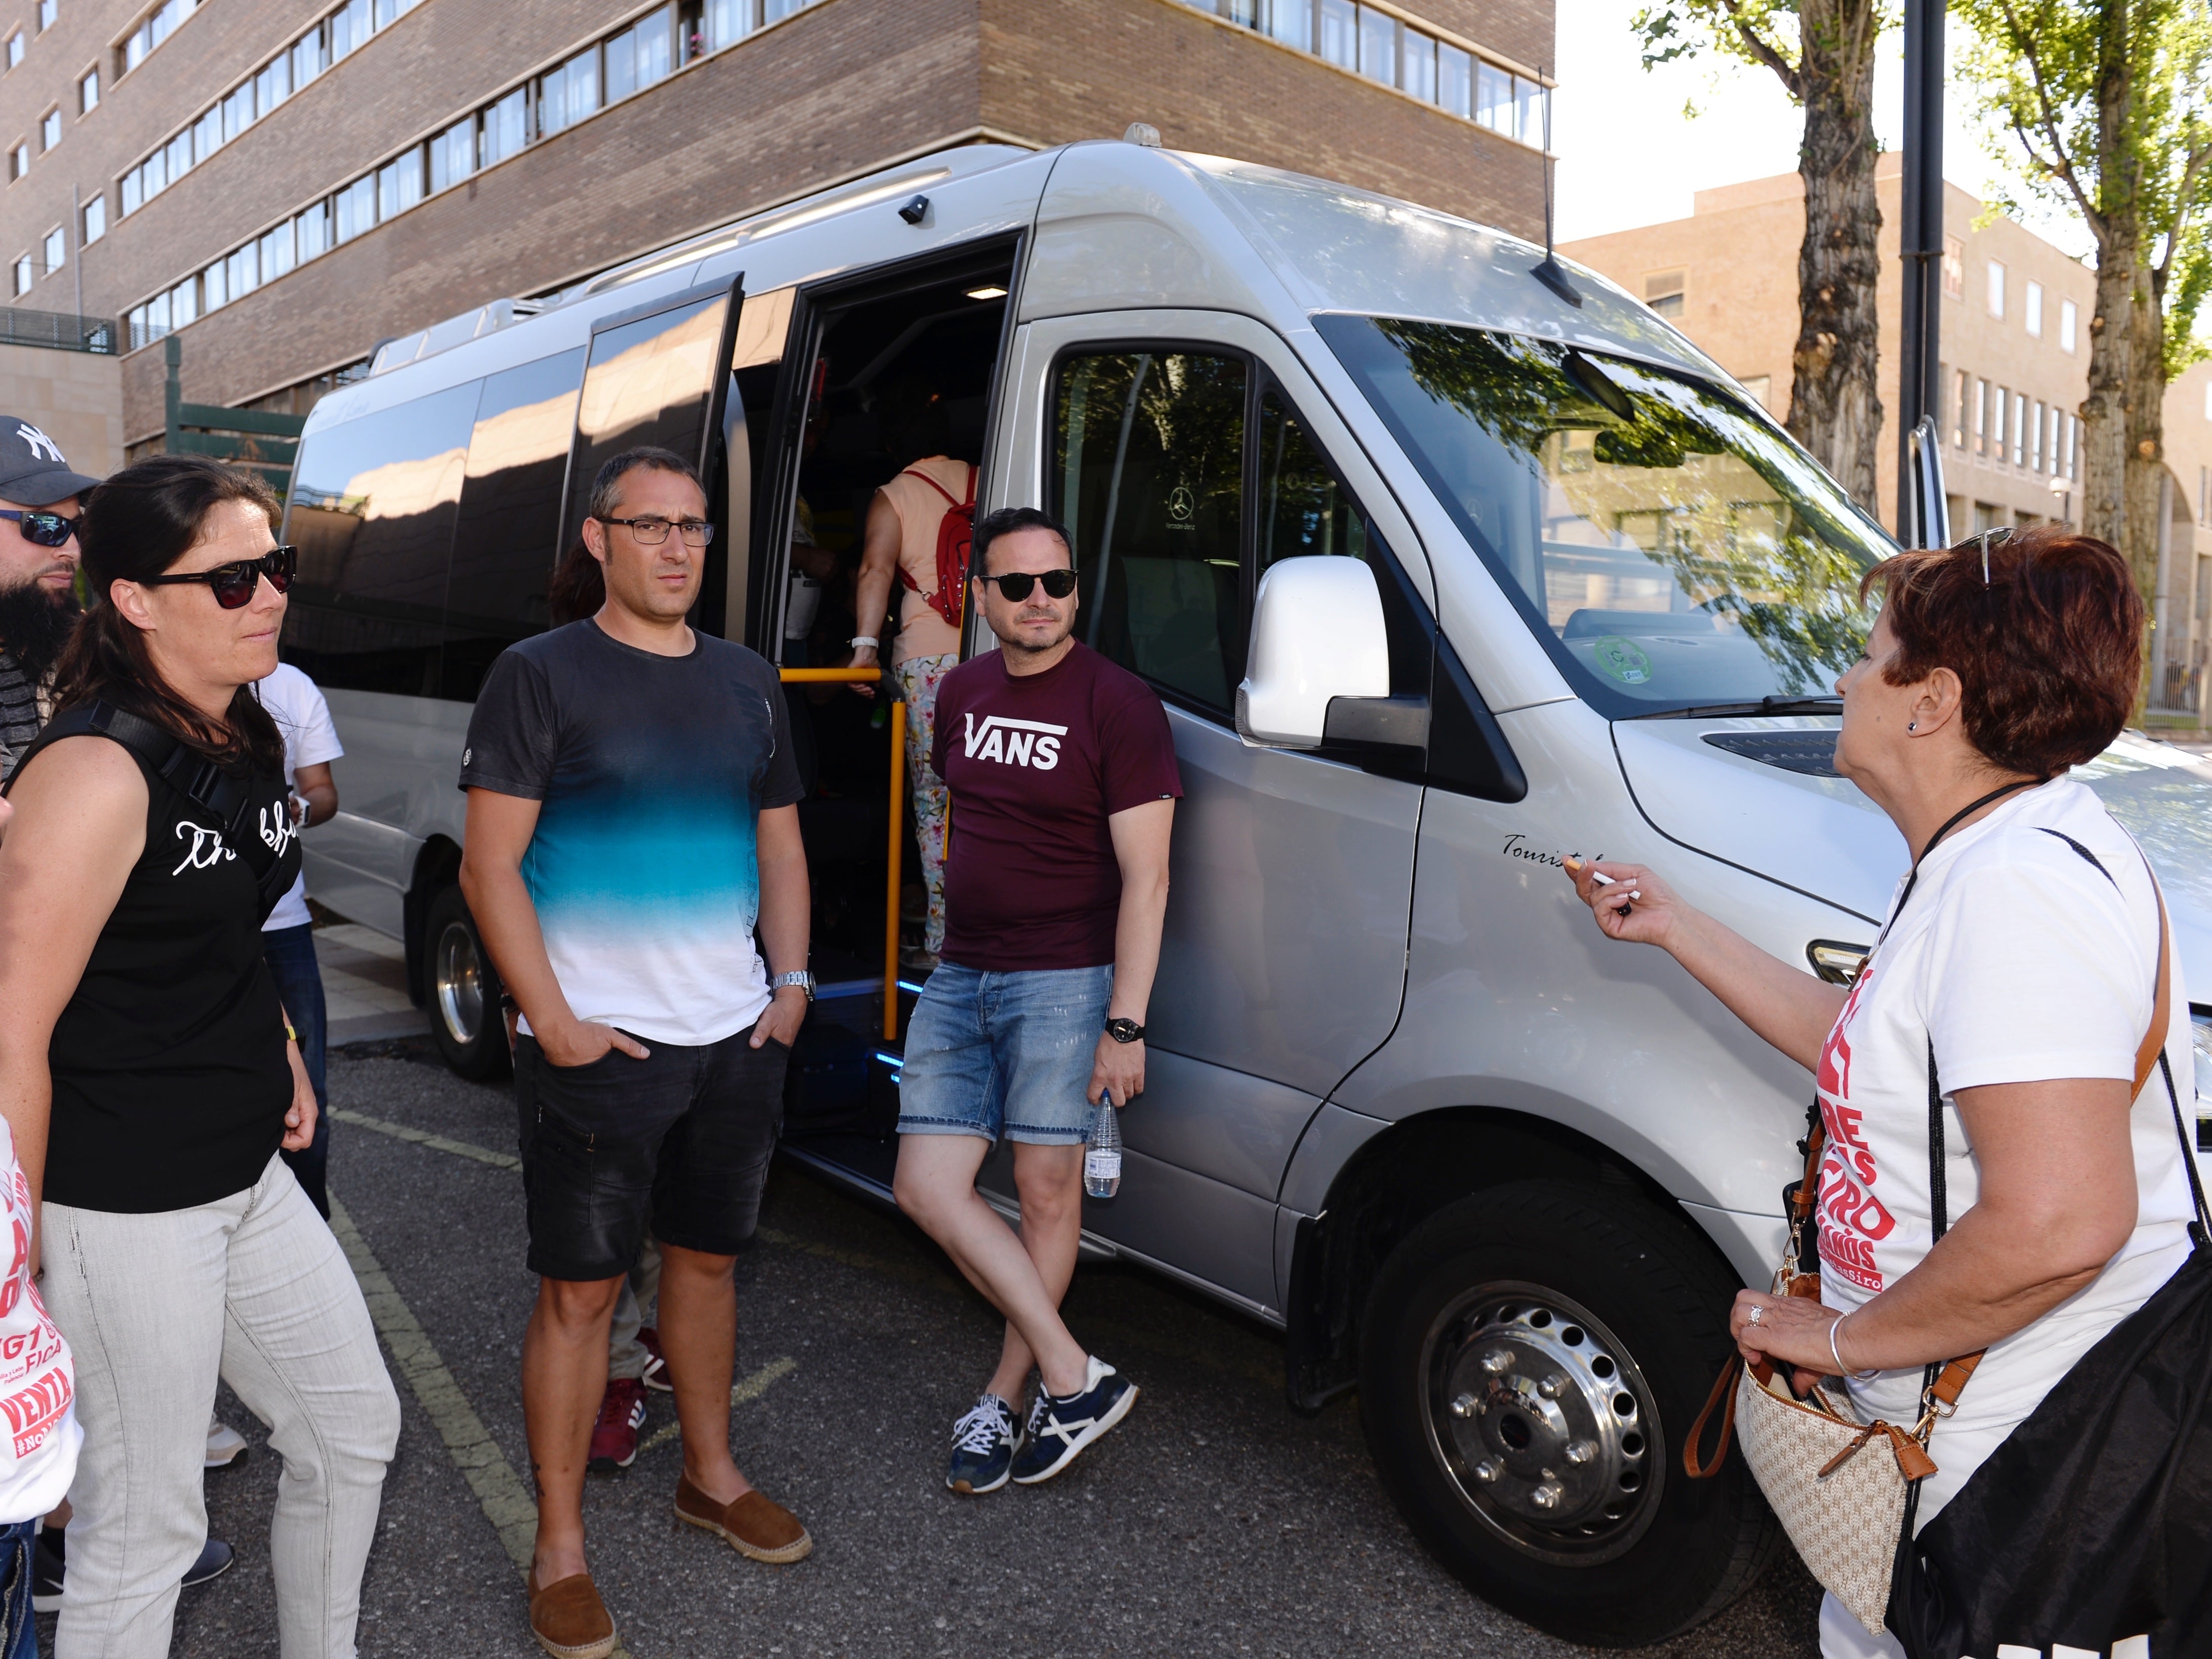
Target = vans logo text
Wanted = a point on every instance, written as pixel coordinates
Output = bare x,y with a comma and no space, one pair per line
1011,742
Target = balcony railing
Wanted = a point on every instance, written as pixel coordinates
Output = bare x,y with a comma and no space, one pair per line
60,330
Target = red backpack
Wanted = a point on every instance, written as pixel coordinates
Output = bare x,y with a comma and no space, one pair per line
956,537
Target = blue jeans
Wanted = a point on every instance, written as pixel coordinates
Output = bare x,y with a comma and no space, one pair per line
990,1054
290,954
18,1632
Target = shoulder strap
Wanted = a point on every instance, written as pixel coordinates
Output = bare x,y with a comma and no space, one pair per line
913,472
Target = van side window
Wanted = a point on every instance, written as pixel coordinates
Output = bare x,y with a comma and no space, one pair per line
1148,473
504,546
1302,510
649,382
372,511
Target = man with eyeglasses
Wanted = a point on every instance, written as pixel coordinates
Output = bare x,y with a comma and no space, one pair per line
633,830
40,499
1063,778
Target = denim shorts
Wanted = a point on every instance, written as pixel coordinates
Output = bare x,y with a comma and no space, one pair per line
1004,1053
683,1137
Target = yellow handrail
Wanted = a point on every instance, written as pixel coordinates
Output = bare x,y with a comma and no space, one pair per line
863,677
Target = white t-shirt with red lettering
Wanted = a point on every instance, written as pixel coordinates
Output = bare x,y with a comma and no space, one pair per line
39,1432
2022,963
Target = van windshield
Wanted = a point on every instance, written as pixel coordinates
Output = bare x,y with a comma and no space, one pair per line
1672,550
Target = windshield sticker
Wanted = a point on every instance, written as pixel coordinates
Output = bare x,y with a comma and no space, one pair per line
1621,659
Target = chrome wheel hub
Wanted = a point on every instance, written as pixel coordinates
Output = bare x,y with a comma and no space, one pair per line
460,988
1543,1422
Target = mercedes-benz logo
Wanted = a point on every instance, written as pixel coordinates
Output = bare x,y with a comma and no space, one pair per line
1179,505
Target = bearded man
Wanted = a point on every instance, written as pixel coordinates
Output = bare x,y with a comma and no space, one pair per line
40,500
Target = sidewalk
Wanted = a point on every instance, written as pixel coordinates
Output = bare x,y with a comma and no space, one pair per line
365,985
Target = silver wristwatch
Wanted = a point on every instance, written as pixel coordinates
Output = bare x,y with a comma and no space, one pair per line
802,977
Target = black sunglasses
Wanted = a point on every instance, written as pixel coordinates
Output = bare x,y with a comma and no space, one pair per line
43,529
1014,587
233,584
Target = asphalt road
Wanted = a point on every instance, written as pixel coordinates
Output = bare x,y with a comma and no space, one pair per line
1214,1521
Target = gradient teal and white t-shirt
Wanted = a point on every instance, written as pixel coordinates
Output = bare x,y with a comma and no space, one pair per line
653,772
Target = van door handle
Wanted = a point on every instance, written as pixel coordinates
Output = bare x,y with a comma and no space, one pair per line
1396,722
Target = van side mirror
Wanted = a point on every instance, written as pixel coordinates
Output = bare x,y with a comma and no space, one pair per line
1317,634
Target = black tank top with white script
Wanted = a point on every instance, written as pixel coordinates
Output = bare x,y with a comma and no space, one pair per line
170,1077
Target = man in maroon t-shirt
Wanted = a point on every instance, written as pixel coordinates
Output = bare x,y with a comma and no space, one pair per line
1063,780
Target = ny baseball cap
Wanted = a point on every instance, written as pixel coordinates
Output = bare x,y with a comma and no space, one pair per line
33,470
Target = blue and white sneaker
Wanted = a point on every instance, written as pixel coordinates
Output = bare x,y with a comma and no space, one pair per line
983,1445
1061,1425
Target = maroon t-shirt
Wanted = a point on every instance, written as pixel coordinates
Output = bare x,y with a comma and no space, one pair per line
1037,763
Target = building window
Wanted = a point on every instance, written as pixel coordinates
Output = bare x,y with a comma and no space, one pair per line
356,209
56,249
505,127
1340,32
1955,268
1997,289
1965,395
2020,429
349,28
180,157
311,56
157,26
184,302
1981,417
214,290
14,48
88,94
567,94
2035,446
1455,81
19,162
134,188
640,55
313,229
50,129
1290,21
23,276
2032,312
1378,46
95,218
243,269
237,113
208,136
277,253
48,10
398,185
273,85
452,154
1663,291
728,21
1420,60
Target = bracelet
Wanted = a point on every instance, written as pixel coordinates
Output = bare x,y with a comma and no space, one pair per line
290,1035
859,640
1836,1353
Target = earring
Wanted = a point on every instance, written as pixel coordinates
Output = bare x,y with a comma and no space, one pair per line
1912,725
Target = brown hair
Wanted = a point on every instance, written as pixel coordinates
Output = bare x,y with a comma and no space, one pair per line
2048,653
139,524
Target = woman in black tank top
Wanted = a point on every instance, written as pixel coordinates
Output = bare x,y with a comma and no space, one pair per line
148,1072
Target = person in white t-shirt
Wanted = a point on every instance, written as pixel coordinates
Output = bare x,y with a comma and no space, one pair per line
38,1408
2028,972
311,744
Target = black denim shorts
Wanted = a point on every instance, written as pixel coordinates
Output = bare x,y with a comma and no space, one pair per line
682,1137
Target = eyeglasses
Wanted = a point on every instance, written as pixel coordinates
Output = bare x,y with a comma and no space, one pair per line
1014,587
233,584
43,529
652,531
1996,537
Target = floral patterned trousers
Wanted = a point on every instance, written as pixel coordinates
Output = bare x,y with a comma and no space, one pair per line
919,678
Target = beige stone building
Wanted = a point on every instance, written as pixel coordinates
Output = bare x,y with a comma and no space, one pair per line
2014,357
75,398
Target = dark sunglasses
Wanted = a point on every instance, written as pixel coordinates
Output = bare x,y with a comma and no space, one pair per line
43,529
1014,587
233,584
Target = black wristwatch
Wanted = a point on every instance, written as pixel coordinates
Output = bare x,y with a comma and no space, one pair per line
1125,1031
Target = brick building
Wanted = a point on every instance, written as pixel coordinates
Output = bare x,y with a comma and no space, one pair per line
2014,356
285,183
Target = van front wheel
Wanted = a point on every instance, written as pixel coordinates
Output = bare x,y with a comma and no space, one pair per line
1531,1360
463,991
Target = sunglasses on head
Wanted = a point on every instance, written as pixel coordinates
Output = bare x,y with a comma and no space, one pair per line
233,584
1014,587
1985,540
43,529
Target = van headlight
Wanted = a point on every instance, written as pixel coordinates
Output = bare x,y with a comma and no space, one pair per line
2200,1038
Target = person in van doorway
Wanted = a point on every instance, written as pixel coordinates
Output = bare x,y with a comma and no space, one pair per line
39,500
1063,781
287,937
148,1072
908,540
632,831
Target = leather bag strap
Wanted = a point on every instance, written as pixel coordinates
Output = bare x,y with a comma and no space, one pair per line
1723,1399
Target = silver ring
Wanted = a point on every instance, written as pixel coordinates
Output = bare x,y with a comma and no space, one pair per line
1751,1318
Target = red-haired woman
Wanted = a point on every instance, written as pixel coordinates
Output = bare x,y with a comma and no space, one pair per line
2024,972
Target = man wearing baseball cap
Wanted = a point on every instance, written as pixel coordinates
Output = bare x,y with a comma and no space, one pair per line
39,500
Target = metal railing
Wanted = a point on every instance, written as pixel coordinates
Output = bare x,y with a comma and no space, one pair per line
60,330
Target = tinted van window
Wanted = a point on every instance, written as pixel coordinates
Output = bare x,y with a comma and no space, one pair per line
649,382
1148,476
372,511
505,542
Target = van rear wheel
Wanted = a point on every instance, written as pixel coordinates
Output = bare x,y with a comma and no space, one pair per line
1531,1361
463,992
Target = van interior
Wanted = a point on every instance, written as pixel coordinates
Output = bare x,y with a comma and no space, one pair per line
873,377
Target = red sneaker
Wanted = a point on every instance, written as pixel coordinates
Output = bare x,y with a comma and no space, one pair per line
656,1363
614,1437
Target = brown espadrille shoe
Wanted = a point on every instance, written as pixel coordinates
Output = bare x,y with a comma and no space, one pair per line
756,1526
568,1618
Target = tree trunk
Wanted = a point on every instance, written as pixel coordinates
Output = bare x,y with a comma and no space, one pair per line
1834,408
2111,466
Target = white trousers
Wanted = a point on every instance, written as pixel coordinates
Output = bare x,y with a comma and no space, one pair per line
253,1288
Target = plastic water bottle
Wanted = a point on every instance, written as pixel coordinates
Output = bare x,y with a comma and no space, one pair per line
1101,1157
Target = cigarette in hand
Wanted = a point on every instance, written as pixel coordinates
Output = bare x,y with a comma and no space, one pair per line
1604,880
